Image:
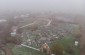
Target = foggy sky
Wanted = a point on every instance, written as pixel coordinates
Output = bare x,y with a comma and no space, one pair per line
70,6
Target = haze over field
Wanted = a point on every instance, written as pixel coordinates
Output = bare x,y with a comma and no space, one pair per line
56,26
65,6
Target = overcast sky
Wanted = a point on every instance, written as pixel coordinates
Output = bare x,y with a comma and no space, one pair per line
72,6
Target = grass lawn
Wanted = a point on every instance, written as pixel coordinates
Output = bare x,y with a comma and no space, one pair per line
26,51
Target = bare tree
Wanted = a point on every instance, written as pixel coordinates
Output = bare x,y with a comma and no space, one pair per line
81,22
5,36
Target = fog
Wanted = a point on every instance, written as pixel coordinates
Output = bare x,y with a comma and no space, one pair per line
65,6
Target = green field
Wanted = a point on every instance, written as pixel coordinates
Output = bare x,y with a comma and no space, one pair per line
26,51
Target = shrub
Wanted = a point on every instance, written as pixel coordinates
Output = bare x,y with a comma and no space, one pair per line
14,40
69,50
57,49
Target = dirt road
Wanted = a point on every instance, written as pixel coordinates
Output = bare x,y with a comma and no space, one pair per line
6,50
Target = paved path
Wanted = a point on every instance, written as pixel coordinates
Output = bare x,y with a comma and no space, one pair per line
30,47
